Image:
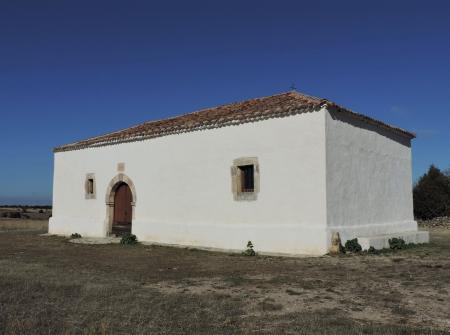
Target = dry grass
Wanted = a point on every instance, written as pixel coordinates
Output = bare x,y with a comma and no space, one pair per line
48,285
23,224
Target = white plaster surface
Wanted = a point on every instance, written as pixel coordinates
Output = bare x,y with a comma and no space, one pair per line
382,241
183,187
369,182
319,173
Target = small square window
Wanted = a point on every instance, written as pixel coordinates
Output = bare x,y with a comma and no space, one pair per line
89,186
247,178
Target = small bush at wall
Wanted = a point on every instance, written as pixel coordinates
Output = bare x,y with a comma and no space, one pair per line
249,251
128,239
399,244
373,251
353,246
76,235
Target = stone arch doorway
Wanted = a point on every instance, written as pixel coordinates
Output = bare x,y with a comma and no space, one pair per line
122,216
120,204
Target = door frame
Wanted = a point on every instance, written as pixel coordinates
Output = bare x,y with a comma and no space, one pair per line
110,194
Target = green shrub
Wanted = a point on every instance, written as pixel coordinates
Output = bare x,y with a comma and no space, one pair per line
353,245
76,235
372,250
397,243
128,239
14,215
249,251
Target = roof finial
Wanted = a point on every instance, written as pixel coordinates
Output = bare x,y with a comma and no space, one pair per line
293,87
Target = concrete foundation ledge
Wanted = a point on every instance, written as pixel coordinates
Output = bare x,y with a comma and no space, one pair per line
382,241
229,251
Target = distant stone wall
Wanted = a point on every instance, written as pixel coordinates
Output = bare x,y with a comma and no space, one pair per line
28,213
440,222
23,224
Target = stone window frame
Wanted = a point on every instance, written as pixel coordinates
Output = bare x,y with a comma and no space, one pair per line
236,179
87,194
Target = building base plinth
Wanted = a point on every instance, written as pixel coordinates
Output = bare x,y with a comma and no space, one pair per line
382,241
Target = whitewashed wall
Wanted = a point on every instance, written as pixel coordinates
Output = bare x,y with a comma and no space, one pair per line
369,182
183,187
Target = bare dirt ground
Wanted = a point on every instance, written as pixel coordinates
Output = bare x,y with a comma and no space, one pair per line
48,285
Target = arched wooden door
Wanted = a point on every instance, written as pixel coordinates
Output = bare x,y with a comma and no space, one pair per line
123,210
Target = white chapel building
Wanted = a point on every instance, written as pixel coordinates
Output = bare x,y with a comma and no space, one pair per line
284,171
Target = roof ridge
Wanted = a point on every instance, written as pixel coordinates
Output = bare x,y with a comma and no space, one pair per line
221,106
251,110
149,122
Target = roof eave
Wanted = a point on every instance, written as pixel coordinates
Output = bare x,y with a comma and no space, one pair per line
367,119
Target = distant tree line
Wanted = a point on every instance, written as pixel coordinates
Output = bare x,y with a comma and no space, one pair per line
431,194
27,206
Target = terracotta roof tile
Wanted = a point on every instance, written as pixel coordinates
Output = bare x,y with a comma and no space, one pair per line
280,105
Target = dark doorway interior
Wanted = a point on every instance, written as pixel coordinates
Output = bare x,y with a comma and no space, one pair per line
122,210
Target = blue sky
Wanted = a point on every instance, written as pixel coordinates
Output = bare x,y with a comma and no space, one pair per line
74,69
